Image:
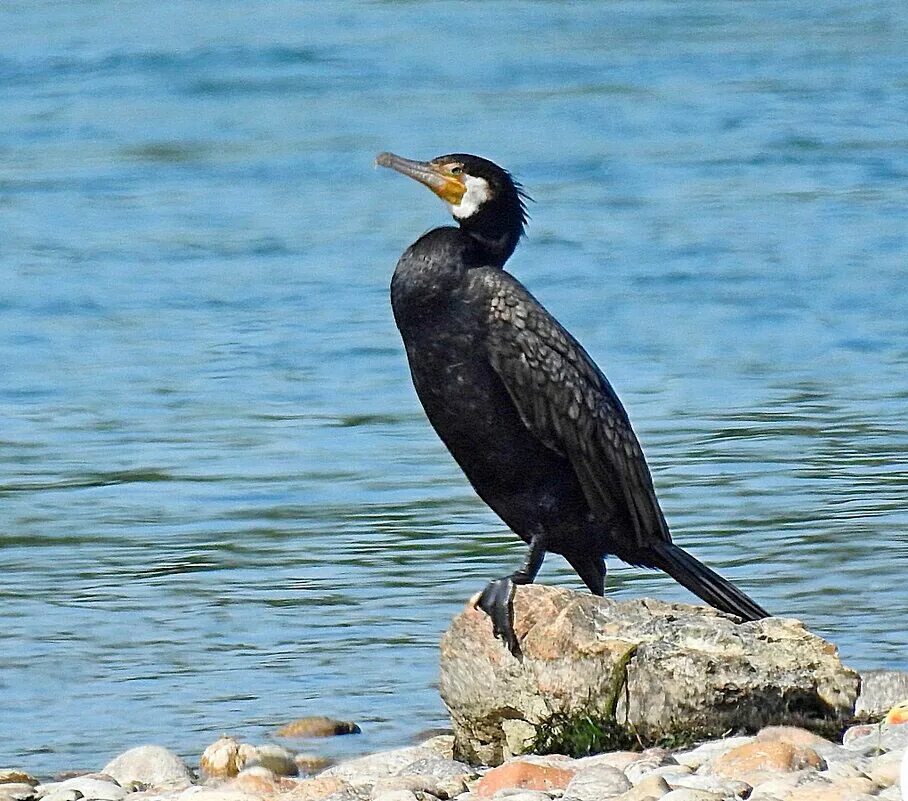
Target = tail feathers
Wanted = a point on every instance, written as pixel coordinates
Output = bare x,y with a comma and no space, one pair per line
703,582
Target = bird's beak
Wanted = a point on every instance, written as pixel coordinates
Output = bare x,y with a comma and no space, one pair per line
449,188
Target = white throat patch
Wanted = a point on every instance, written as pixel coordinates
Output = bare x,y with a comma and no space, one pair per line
477,193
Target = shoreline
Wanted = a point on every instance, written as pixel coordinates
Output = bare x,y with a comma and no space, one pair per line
779,763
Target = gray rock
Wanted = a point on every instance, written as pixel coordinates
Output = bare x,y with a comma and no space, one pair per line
651,786
880,691
727,788
63,795
686,794
275,758
364,771
706,752
649,760
88,786
884,738
438,768
410,778
598,782
152,765
396,795
516,794
13,776
17,791
893,793
592,664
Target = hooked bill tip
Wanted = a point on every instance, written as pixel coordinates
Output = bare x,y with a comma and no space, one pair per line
384,159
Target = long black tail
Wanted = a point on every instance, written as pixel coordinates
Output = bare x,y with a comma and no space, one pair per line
705,583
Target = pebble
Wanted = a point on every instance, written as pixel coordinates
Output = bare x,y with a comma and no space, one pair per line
317,726
310,764
707,752
150,765
16,791
525,775
778,764
221,759
597,782
760,759
275,758
11,776
90,787
513,794
730,788
649,786
686,794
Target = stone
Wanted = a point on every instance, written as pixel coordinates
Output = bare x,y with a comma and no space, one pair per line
442,744
364,771
396,795
442,778
310,764
592,675
881,739
90,787
853,733
317,726
13,776
647,762
880,691
318,788
727,788
437,768
840,791
598,782
706,752
782,785
275,758
63,795
686,794
222,793
17,791
255,780
523,775
413,784
648,786
221,759
753,761
151,765
885,769
616,759
512,794
794,735
440,787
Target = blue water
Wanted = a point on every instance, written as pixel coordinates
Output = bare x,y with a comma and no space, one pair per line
220,505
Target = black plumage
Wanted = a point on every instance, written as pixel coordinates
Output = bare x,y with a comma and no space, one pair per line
526,413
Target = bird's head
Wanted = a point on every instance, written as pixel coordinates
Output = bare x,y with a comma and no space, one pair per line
487,202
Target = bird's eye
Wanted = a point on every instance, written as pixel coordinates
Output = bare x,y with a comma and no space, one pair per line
456,169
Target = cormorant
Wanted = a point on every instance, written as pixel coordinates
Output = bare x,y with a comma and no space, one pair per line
521,406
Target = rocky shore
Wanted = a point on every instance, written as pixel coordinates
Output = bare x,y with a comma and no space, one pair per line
779,763
609,678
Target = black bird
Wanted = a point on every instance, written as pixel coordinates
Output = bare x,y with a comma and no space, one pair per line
523,409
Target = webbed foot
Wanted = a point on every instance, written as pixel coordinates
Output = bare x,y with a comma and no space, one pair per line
497,602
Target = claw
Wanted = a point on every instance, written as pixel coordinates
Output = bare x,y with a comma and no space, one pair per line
497,602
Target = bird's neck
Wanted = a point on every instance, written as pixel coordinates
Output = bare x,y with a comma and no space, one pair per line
493,246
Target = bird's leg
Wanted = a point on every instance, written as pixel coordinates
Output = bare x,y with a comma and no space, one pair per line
497,599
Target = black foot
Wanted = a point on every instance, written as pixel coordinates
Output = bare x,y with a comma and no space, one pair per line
497,602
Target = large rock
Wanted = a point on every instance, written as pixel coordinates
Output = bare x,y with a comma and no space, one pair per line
597,674
152,765
880,691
